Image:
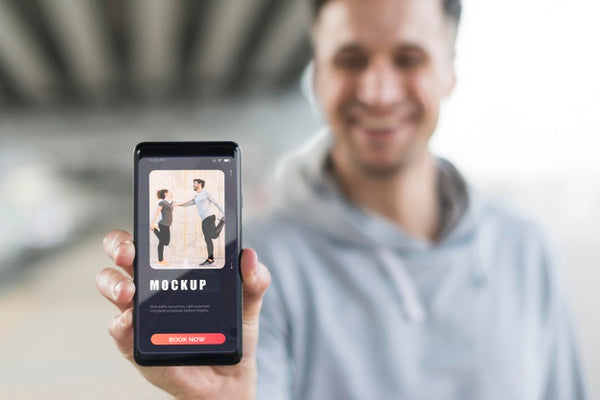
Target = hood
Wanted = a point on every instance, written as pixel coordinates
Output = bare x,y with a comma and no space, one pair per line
308,196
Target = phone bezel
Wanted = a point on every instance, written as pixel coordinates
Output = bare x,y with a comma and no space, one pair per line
189,149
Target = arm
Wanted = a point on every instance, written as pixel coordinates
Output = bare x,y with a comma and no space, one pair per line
565,378
216,382
214,201
186,204
152,222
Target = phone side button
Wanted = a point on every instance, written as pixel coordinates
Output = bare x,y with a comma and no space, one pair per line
169,339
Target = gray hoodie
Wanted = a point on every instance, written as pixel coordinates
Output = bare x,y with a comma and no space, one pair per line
359,309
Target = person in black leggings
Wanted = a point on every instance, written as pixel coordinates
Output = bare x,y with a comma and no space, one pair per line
210,228
163,230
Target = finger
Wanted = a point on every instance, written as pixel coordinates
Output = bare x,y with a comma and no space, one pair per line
121,330
119,246
116,287
256,278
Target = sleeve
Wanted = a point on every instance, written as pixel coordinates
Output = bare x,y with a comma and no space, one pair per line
565,375
214,201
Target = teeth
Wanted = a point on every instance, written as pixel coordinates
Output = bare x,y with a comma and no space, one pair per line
380,123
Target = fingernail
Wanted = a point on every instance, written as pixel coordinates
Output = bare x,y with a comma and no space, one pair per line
117,289
116,251
255,262
130,286
257,271
126,318
118,247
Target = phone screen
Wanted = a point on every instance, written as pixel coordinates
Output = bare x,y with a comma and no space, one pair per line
187,254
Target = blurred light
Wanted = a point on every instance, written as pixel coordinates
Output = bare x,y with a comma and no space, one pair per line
38,201
526,101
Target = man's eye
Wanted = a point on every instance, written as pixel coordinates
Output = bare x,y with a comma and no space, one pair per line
407,62
351,62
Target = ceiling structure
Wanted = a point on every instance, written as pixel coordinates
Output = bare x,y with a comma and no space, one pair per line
112,51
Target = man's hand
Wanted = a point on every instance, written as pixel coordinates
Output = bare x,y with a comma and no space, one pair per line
216,382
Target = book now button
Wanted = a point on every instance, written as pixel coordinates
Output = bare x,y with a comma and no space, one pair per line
161,339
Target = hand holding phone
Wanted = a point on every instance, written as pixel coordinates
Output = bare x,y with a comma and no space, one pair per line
218,382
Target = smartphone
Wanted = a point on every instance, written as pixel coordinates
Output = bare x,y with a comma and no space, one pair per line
187,233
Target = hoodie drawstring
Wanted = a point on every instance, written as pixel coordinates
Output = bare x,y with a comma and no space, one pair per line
396,269
481,251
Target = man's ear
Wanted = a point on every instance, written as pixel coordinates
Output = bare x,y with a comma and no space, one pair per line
313,77
450,80
309,86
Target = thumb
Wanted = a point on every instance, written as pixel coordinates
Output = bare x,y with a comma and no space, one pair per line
256,279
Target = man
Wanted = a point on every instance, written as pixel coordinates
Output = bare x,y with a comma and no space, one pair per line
203,201
391,279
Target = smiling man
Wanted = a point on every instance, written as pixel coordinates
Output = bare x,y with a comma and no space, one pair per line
381,72
391,279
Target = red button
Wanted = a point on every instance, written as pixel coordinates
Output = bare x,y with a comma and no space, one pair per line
161,339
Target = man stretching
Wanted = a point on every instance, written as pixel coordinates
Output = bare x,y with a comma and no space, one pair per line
203,200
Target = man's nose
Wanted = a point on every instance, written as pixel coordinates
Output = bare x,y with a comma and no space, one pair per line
380,84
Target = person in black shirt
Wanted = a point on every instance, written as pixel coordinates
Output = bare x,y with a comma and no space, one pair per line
163,230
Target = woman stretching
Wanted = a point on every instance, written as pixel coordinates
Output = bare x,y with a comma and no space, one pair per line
163,230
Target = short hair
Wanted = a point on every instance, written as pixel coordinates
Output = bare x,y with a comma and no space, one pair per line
162,193
452,8
200,181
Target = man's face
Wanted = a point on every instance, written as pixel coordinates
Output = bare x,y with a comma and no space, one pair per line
197,186
382,68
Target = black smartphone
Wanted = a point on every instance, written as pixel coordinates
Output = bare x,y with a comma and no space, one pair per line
187,233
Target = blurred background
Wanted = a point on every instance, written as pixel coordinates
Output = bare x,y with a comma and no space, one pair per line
83,81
